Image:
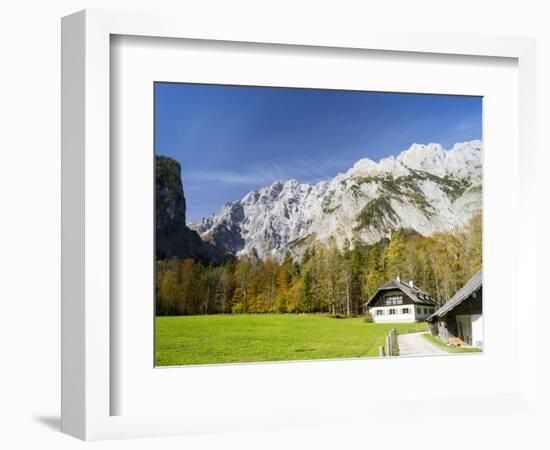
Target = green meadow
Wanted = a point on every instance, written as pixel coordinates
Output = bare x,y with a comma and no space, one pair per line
216,339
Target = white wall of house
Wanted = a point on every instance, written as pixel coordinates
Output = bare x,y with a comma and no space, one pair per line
472,327
477,330
402,313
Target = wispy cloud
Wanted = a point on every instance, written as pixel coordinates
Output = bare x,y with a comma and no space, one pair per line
467,126
260,174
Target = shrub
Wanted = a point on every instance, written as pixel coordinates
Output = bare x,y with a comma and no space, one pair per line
237,308
367,317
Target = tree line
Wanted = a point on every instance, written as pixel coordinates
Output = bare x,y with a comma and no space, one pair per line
325,279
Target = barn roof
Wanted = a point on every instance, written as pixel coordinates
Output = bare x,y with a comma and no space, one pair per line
416,294
468,289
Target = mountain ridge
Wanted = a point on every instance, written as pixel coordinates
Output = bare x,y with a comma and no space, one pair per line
426,188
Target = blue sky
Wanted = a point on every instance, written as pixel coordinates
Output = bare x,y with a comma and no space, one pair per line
231,140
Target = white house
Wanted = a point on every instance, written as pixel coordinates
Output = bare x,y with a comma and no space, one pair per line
462,315
399,302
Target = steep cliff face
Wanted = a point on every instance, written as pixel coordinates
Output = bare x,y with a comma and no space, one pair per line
173,238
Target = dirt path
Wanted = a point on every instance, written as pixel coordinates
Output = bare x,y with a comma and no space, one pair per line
414,344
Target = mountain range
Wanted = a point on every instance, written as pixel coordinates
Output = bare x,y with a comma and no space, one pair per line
425,188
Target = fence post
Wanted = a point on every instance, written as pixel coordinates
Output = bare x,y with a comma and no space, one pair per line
391,344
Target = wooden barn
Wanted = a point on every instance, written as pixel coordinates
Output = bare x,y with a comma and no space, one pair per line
396,302
462,316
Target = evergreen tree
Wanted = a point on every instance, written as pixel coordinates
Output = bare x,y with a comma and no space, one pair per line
394,256
325,280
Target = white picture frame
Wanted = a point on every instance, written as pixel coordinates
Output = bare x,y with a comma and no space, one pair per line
87,328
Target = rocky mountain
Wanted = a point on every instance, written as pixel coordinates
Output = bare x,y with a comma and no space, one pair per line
426,188
172,236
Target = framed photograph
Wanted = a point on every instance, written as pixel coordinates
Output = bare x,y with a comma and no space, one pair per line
284,222
266,228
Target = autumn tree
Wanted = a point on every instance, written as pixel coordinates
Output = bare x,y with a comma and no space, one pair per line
326,279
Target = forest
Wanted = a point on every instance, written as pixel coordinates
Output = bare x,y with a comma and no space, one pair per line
325,280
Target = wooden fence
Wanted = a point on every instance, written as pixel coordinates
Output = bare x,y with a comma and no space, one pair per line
391,348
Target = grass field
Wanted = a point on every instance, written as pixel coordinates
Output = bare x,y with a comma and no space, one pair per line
215,339
449,348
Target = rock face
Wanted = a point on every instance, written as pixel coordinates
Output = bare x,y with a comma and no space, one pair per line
426,188
173,238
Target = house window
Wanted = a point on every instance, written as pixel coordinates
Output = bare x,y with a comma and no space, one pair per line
418,310
425,310
379,312
393,300
405,311
392,311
